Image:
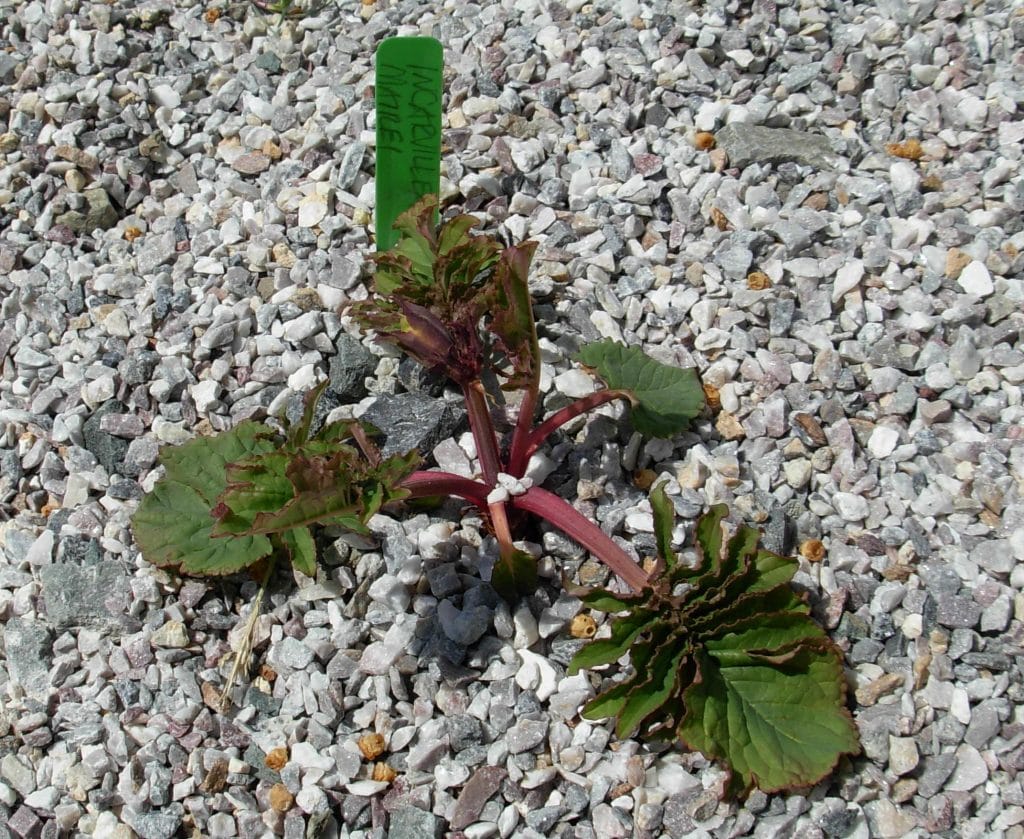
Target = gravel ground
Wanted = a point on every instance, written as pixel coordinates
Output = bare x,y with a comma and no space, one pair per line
817,204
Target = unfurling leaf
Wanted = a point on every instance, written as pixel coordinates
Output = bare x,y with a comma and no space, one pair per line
731,663
437,286
664,398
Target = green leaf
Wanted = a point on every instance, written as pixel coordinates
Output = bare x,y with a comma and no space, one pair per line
611,702
606,650
299,433
660,676
173,525
664,398
605,601
664,519
708,535
764,633
778,725
298,543
733,664
200,462
515,575
172,528
772,570
254,485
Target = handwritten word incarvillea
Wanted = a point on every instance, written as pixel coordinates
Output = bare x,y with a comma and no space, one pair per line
407,101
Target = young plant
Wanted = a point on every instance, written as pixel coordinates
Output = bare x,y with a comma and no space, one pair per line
725,658
460,305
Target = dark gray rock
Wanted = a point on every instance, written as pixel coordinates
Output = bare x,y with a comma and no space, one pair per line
137,367
416,379
412,421
746,144
94,596
99,213
29,649
408,822
349,367
464,626
327,402
463,731
109,450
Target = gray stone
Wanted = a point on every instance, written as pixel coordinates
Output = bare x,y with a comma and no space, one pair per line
289,654
351,162
994,555
408,822
746,144
109,450
984,725
92,596
464,626
526,735
412,421
958,612
100,213
162,824
29,649
349,368
937,769
17,774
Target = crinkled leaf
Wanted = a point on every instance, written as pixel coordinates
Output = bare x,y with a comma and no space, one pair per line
664,398
172,527
512,314
174,522
348,500
733,664
254,485
298,543
777,725
200,462
610,702
761,632
772,570
515,575
660,676
707,620
606,650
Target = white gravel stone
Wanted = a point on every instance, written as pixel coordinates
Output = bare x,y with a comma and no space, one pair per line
975,279
883,441
851,507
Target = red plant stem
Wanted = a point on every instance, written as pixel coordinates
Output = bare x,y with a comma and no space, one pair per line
518,458
424,484
483,430
576,526
537,437
502,532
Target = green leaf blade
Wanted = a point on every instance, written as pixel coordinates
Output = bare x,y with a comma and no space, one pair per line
299,545
173,528
777,725
665,398
606,650
200,462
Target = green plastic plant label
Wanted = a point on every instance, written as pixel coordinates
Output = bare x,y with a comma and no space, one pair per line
408,94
